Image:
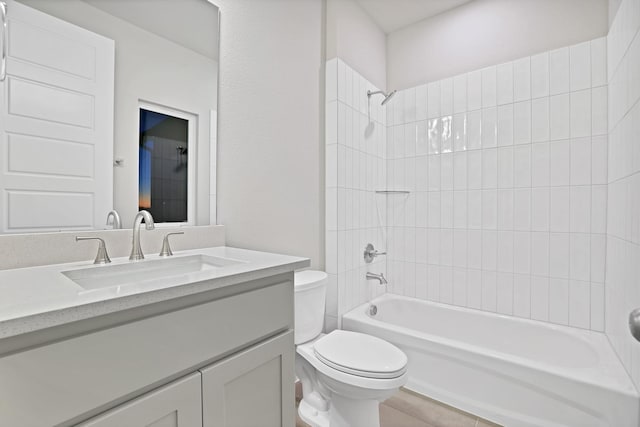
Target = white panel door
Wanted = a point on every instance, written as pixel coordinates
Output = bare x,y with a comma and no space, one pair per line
254,388
178,404
56,125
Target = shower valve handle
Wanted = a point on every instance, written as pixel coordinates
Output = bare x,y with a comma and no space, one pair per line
370,253
634,323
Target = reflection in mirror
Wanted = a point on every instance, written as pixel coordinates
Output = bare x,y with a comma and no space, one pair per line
78,74
165,139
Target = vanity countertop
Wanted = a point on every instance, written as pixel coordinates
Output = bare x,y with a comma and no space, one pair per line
35,298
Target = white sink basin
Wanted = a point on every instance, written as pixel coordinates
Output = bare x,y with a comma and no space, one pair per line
145,271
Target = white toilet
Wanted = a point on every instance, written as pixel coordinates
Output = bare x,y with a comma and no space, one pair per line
344,374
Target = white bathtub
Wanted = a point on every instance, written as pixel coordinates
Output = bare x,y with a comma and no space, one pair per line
511,371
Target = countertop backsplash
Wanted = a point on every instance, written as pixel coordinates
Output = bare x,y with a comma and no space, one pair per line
30,250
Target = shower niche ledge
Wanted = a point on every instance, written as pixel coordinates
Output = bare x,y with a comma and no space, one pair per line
168,350
393,191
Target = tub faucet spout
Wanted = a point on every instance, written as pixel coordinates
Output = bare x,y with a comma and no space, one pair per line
379,277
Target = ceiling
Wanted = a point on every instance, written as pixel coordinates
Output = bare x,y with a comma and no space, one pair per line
193,25
391,15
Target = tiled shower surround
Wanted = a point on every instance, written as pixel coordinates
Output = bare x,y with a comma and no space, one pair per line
623,230
355,168
506,169
507,172
523,177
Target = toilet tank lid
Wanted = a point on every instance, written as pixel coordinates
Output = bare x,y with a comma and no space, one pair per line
308,279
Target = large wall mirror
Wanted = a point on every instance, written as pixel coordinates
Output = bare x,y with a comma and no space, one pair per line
107,105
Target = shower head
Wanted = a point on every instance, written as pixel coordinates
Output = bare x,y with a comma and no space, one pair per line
387,97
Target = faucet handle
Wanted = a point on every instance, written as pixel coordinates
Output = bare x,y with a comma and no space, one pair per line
102,257
370,253
634,323
166,248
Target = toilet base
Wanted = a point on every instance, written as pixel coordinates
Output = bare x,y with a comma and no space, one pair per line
327,402
343,412
312,416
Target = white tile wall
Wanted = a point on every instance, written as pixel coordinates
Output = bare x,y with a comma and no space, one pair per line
355,151
507,208
622,289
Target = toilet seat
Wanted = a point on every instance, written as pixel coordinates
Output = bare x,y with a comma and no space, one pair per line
307,352
360,354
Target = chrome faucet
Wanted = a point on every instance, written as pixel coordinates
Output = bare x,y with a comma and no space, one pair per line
379,277
136,250
102,257
115,217
166,247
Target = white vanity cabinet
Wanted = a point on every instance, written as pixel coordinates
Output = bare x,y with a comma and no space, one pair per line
177,404
250,389
222,357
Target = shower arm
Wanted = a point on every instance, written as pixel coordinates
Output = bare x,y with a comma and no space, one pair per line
369,95
387,96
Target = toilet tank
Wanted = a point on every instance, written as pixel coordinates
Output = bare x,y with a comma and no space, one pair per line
310,289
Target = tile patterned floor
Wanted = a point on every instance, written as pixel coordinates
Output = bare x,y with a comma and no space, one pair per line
408,409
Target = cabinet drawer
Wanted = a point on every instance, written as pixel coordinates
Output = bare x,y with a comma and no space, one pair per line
177,404
69,381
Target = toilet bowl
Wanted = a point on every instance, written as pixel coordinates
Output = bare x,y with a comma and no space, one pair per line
344,375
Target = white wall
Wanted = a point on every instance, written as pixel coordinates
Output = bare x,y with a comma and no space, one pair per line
614,5
486,32
156,70
270,155
623,210
353,37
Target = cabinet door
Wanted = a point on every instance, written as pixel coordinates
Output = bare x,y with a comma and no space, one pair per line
177,404
254,388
